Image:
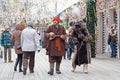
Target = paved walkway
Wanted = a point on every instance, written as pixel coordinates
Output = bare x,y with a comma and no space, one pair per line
99,69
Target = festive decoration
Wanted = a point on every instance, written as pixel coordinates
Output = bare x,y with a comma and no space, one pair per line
57,18
91,22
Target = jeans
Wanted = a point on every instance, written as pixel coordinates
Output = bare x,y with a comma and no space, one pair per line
69,52
113,49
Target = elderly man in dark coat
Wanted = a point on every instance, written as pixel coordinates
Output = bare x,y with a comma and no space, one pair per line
55,46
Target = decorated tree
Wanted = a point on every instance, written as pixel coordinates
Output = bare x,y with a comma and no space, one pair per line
91,22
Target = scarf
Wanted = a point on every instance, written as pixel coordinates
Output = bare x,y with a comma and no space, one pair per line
58,44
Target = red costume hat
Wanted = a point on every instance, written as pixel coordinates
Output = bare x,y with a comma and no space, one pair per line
57,18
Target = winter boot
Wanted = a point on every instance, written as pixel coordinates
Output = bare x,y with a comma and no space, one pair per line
58,68
85,68
73,68
51,69
24,71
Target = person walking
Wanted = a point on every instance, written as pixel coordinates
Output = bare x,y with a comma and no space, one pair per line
69,44
7,44
55,48
81,38
16,38
29,44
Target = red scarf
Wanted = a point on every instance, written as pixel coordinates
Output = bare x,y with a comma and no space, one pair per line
58,44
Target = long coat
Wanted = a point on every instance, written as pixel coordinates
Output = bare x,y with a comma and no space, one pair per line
16,37
52,49
83,53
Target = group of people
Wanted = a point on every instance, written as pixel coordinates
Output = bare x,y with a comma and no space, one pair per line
56,42
26,43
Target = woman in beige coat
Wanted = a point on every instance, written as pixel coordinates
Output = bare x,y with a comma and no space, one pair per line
16,35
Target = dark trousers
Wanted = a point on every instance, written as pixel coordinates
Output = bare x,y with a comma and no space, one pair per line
19,57
56,59
9,53
31,57
19,60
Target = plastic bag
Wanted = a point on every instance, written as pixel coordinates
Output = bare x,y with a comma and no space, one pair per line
108,49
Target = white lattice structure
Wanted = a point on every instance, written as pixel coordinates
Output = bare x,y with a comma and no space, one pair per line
108,13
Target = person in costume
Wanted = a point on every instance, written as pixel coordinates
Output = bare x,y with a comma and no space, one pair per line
55,47
81,39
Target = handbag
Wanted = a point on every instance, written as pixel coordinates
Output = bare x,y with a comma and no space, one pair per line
18,46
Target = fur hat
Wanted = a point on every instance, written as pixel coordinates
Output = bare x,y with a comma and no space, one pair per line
79,23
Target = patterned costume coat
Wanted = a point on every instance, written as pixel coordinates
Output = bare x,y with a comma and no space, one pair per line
51,47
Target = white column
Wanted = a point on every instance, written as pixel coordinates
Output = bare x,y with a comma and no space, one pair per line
99,42
118,32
